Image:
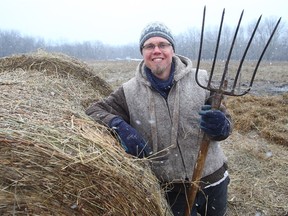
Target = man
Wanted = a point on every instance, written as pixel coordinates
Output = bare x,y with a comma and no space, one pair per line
156,115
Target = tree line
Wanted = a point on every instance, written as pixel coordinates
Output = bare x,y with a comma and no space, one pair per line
187,43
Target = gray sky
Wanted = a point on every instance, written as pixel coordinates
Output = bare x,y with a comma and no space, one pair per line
121,21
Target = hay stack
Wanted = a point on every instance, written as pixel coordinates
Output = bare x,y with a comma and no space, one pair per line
265,114
54,160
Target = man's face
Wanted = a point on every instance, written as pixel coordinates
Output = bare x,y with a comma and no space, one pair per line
157,54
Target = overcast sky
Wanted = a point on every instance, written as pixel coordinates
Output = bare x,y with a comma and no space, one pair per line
119,22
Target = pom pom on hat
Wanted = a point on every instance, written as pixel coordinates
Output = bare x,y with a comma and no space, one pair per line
156,29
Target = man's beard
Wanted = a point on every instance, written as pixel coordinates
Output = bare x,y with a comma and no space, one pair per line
159,70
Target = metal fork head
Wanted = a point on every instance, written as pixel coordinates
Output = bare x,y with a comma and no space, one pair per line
222,87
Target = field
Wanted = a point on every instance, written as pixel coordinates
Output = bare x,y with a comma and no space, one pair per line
258,148
43,120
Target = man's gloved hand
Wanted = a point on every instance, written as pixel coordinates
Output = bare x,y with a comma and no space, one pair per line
131,140
214,123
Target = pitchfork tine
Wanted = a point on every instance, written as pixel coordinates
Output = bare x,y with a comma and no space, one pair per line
230,51
216,49
200,50
260,58
244,55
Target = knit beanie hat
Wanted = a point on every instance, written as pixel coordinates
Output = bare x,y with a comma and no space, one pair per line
156,29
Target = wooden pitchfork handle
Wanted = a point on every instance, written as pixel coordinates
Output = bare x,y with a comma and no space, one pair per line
199,165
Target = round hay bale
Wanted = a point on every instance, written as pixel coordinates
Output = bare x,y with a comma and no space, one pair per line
54,160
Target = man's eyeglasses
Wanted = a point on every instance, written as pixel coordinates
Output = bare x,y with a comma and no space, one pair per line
162,46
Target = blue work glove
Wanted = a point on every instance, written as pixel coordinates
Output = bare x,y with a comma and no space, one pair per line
214,123
131,140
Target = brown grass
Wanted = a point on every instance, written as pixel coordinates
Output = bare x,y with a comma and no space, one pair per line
115,72
265,114
258,171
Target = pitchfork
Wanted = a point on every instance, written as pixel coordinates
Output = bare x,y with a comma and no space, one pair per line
218,95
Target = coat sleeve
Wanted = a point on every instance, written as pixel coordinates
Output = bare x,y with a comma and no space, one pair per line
104,110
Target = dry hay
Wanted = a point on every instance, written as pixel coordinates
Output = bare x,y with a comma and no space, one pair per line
265,114
54,160
55,63
258,164
258,171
